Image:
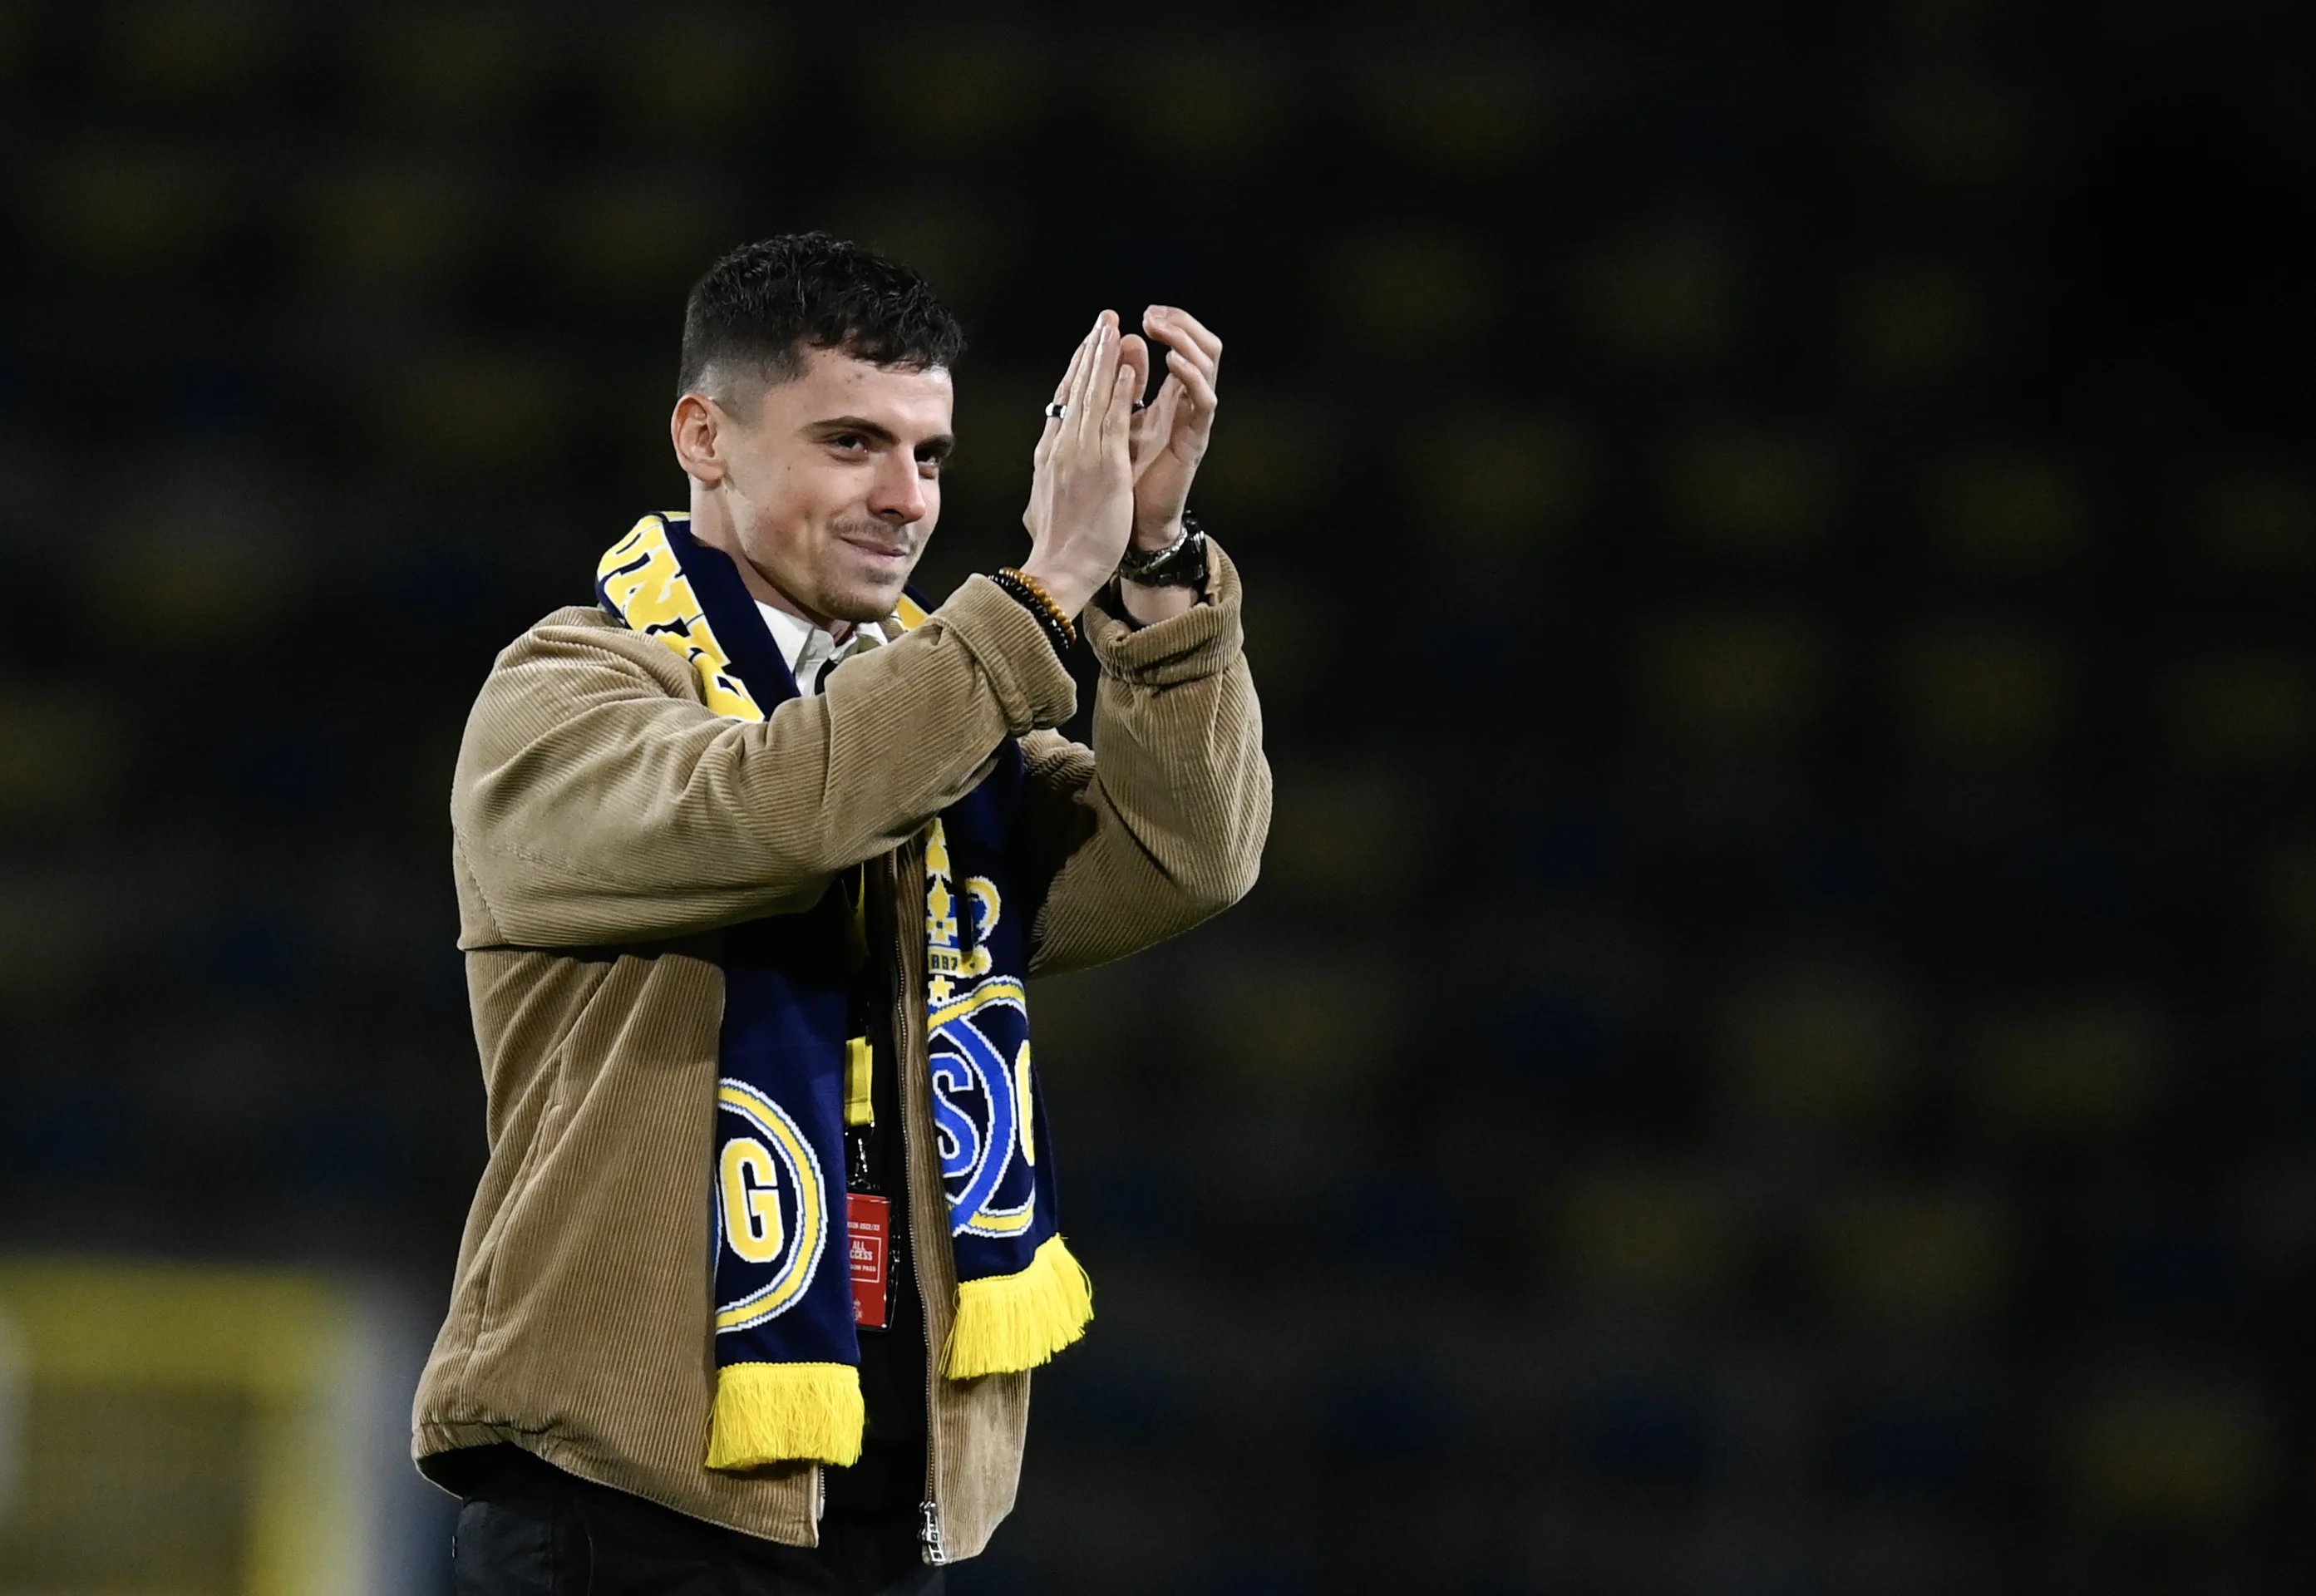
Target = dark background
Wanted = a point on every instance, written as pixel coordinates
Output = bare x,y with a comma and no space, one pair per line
1773,1051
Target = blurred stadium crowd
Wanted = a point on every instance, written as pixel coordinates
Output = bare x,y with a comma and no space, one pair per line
1773,1052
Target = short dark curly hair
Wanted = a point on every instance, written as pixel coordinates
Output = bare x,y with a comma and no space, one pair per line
762,305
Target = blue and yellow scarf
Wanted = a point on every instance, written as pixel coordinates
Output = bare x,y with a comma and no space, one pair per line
787,1355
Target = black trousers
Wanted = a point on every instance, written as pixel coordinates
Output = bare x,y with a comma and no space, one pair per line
528,1529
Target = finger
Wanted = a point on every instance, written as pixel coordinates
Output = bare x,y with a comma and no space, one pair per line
1074,379
1098,344
1118,419
1062,390
1068,383
1146,430
1134,354
1173,318
1092,408
1160,416
1134,351
1184,354
1070,372
1197,386
1179,329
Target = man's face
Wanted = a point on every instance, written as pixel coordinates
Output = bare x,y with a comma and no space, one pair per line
832,479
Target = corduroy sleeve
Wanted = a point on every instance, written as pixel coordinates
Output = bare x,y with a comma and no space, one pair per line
597,800
1160,823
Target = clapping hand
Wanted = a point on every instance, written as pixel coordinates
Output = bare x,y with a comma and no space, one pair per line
1170,437
1082,490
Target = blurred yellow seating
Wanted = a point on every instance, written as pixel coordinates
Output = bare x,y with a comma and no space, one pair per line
58,935
203,547
2285,882
1755,491
1412,293
62,750
1732,678
1960,131
182,1429
1909,322
1467,110
963,249
677,76
1293,647
2256,524
1670,294
968,86
2240,708
640,234
453,66
1974,691
2173,1454
1916,1256
188,50
1497,489
1649,1232
1343,833
1225,101
1818,1044
1273,458
473,407
999,414
2087,1066
128,207
2005,512
1319,1031
398,224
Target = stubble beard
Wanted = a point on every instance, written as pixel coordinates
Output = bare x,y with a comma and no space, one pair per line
860,601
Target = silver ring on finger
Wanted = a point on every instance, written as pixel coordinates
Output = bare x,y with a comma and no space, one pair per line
1056,411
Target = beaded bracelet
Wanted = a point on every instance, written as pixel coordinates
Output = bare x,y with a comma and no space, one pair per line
1031,593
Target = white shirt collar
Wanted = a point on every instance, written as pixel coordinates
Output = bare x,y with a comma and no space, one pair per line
805,647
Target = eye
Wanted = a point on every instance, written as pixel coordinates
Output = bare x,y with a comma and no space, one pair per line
930,463
849,444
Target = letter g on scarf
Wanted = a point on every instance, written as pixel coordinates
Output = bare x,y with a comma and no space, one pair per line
752,1203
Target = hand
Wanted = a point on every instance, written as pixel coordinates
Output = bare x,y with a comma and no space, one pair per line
1081,507
1170,437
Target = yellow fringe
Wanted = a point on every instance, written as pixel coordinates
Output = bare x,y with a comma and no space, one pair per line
1016,1321
777,1412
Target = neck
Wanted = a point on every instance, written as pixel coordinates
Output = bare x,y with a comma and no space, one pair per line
711,524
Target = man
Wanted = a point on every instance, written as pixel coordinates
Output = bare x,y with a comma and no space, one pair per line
752,860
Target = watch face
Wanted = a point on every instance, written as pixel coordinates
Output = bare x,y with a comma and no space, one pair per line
1187,555
1181,568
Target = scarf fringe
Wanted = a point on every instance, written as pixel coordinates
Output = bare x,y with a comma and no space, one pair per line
1009,1323
779,1412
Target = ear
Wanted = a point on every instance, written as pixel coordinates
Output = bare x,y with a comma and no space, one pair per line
697,430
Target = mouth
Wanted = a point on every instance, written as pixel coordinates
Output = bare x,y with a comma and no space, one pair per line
896,551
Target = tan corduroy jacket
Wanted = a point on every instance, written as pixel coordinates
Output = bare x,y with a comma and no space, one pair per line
606,825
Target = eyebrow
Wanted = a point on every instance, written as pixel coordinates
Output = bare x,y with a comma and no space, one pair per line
939,443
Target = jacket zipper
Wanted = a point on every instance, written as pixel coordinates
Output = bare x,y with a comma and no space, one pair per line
929,1530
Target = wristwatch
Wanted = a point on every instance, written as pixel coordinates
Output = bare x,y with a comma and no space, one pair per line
1180,563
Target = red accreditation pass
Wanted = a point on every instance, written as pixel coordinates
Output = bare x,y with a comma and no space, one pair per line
869,1222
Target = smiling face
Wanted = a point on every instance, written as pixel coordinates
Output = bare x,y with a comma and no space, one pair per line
826,485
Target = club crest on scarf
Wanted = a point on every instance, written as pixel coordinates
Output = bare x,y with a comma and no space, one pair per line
771,1207
977,1033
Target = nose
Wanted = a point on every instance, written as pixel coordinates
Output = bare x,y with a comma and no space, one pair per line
901,493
